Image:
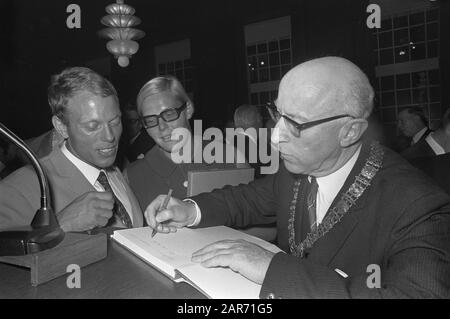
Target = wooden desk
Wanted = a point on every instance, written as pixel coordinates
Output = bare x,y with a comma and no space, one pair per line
119,275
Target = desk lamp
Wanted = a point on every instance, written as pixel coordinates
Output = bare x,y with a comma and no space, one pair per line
44,231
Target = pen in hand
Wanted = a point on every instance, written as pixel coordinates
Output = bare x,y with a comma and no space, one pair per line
163,206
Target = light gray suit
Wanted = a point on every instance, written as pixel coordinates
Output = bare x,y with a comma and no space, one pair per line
20,194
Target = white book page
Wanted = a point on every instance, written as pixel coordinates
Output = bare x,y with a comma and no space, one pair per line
173,251
140,242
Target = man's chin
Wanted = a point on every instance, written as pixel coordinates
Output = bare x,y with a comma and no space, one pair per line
172,146
294,169
105,162
167,146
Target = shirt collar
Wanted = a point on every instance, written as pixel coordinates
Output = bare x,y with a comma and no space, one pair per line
331,184
90,172
418,135
435,146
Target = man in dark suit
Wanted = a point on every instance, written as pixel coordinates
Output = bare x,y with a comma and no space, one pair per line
433,156
435,143
354,218
87,191
248,118
138,142
413,124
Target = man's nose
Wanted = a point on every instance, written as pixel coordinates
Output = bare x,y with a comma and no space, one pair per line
279,133
162,125
108,134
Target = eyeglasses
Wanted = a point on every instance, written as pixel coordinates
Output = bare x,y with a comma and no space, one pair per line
294,127
168,115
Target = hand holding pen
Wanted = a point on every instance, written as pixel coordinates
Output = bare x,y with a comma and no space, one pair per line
163,207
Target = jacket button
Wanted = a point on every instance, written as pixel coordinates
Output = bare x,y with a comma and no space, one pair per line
271,296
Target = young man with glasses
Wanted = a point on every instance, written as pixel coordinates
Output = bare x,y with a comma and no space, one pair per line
164,106
354,219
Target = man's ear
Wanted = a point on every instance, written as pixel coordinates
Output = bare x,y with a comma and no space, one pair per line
352,131
59,126
189,109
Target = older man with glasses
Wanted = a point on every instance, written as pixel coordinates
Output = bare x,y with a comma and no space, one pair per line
164,106
354,219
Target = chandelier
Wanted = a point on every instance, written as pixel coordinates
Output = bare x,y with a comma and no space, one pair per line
120,22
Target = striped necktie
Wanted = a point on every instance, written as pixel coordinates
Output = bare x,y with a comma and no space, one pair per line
311,202
119,210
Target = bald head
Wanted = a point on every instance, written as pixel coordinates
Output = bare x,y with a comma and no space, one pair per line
326,86
331,89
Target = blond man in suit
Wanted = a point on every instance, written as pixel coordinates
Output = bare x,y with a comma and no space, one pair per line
87,190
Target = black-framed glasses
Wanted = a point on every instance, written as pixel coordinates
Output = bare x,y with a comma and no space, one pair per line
294,127
168,115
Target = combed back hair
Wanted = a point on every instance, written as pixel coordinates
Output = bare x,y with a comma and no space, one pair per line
418,111
161,84
72,81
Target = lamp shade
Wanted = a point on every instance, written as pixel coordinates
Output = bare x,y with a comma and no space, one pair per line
120,22
122,47
121,33
120,8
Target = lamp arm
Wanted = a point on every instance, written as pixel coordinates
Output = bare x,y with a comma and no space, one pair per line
34,161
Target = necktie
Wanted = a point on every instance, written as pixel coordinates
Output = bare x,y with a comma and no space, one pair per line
119,210
311,202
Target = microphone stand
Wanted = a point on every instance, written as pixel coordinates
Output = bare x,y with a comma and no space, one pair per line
44,231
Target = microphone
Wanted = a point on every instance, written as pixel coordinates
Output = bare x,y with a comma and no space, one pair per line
44,231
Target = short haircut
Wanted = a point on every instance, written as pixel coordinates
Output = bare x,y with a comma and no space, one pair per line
72,81
161,84
418,111
246,115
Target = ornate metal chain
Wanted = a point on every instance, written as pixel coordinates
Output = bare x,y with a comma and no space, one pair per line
348,199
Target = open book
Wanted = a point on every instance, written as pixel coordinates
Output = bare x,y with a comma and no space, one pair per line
171,254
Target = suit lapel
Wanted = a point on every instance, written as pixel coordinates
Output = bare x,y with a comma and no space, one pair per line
66,181
65,169
329,245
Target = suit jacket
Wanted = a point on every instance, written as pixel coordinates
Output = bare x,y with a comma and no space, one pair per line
42,145
140,146
437,167
401,223
403,143
155,174
420,149
20,193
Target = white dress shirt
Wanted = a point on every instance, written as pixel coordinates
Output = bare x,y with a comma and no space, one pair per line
329,187
418,135
91,173
437,149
